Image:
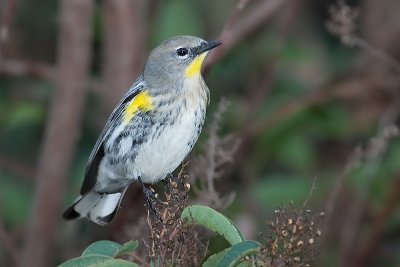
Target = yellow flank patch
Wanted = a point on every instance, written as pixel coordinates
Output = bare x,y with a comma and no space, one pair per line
143,102
195,67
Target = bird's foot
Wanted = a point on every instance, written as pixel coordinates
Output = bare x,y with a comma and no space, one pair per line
150,197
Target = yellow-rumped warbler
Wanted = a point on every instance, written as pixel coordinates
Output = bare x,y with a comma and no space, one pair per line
150,131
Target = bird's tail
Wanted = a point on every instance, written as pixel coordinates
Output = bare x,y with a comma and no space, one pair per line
100,208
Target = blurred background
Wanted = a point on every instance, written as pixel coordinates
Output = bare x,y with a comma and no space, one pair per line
310,95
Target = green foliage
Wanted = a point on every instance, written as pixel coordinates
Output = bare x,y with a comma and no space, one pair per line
91,260
290,239
235,254
215,258
104,254
97,261
104,247
127,248
214,221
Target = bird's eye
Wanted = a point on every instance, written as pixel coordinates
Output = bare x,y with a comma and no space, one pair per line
182,52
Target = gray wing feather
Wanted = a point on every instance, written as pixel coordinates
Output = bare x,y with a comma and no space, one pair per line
98,150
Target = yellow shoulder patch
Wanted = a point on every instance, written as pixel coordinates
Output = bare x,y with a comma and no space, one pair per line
195,67
142,102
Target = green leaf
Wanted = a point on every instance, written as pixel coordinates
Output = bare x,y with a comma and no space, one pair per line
84,261
237,252
127,248
115,263
213,220
214,259
103,247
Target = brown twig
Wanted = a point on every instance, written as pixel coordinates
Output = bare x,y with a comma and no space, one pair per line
389,206
225,33
353,162
374,150
62,131
21,68
312,190
236,30
218,152
125,40
343,24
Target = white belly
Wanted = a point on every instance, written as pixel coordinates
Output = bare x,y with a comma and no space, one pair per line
162,155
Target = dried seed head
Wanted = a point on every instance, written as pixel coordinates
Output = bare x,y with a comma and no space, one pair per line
290,221
300,243
296,259
187,186
284,233
311,241
319,232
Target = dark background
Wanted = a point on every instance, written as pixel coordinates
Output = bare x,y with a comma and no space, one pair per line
307,102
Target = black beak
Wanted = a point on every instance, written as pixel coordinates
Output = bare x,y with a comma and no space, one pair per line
205,47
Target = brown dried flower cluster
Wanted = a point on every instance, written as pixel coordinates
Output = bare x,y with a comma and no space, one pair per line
292,236
174,242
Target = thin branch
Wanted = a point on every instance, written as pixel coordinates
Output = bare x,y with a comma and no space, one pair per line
312,190
343,24
236,30
218,152
392,201
374,150
19,68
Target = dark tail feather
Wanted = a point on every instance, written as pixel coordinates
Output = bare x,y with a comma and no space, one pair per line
100,208
71,214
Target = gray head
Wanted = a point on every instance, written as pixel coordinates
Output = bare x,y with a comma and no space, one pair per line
176,59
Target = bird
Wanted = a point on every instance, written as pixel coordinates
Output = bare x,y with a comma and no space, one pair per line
151,130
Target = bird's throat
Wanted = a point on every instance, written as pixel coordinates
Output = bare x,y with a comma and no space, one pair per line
194,68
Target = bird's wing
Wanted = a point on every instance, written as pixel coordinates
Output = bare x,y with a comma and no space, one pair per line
97,154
